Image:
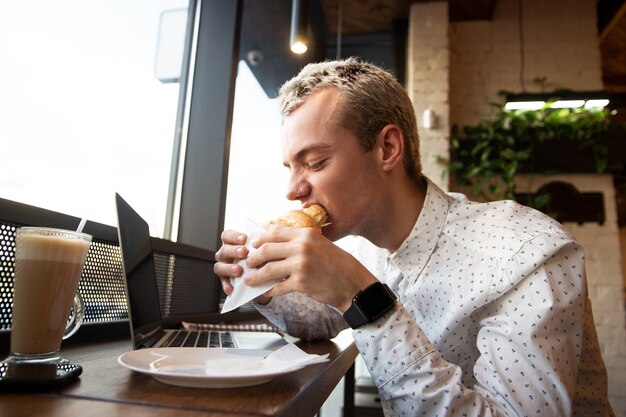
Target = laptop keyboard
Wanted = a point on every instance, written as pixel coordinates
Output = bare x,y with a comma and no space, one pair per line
202,338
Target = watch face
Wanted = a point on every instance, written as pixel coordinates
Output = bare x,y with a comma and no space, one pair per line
375,301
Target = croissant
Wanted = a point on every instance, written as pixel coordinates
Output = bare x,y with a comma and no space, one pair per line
314,216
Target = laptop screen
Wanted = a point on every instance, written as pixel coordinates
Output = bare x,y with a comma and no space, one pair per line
195,288
141,285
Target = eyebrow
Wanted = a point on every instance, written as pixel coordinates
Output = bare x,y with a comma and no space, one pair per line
307,149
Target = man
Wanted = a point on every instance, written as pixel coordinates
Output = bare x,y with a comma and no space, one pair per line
492,315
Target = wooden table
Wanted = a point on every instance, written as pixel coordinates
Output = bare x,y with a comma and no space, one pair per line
108,389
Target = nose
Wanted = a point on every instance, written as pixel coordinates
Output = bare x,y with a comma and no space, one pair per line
296,190
292,194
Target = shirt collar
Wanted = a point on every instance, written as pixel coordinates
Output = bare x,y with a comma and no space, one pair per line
419,245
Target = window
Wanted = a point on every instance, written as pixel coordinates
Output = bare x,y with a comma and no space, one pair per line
93,108
257,179
83,112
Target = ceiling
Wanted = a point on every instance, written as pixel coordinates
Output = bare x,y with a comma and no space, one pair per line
266,25
366,16
612,24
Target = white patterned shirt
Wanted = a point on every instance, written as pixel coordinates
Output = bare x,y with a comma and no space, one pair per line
493,316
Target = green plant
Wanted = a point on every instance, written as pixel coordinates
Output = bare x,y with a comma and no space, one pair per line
487,156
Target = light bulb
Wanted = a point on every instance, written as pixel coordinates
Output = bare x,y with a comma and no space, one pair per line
298,47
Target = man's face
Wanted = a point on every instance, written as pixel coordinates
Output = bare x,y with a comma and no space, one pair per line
329,167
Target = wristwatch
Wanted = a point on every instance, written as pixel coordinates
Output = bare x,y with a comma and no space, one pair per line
370,304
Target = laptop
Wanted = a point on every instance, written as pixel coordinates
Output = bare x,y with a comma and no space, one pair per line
142,294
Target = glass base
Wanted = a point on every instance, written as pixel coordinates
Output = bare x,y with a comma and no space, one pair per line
35,376
36,358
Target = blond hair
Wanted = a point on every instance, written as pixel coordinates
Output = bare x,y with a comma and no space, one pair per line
370,98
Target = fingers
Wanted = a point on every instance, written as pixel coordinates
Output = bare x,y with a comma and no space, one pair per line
279,242
281,252
231,238
231,252
233,248
225,270
270,271
226,286
276,233
227,267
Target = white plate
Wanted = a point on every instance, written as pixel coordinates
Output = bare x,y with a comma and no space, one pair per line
204,368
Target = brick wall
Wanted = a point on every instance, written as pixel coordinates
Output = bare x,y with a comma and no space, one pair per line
560,46
428,82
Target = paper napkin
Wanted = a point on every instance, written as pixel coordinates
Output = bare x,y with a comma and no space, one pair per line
287,358
242,292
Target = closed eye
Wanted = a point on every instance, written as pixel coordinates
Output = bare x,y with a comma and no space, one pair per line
314,166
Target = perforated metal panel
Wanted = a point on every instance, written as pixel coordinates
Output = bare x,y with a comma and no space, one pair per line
187,284
101,285
7,268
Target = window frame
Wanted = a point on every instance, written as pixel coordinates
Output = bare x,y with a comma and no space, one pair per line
200,191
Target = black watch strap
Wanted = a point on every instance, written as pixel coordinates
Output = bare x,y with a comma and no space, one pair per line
370,304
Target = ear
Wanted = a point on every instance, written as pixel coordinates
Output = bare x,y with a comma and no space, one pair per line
391,142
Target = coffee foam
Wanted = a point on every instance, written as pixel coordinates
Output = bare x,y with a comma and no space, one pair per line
51,248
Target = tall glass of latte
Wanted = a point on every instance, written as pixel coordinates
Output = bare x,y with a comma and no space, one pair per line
48,267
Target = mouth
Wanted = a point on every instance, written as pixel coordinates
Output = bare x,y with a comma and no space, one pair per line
318,213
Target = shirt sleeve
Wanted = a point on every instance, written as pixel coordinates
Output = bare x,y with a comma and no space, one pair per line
303,317
528,341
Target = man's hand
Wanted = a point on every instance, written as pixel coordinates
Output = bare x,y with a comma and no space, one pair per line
232,251
309,264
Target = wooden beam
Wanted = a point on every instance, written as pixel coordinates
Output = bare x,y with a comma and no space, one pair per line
621,13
